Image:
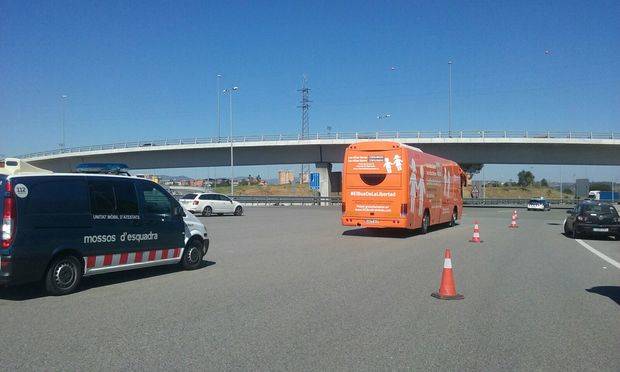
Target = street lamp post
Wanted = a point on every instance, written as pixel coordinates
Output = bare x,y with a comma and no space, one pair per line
63,100
230,91
561,186
449,98
219,116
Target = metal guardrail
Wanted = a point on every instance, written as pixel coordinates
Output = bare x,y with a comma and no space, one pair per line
481,134
287,200
315,200
519,203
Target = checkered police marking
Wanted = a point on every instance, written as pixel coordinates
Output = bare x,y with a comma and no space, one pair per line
120,260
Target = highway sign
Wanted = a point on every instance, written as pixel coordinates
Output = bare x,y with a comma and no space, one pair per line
314,181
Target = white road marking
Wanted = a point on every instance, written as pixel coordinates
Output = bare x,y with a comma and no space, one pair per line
601,255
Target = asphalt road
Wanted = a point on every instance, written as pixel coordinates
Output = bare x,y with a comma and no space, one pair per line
289,288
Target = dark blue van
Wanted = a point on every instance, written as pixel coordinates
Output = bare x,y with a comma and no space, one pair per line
59,227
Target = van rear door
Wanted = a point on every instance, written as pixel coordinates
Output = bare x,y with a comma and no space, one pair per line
374,183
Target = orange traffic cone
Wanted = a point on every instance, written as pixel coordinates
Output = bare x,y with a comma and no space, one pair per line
513,223
447,290
476,237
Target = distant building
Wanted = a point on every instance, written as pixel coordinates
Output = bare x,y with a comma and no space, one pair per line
285,177
304,177
197,183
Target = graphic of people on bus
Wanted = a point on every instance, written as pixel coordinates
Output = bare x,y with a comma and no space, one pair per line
413,184
447,180
388,165
398,162
421,190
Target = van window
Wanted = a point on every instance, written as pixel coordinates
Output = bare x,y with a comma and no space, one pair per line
155,201
58,197
113,197
126,199
101,197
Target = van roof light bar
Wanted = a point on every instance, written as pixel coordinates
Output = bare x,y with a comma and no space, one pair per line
102,168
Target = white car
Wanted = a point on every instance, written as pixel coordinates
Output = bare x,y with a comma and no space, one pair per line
195,229
538,205
211,203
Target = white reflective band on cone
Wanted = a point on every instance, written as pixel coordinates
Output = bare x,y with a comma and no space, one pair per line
447,263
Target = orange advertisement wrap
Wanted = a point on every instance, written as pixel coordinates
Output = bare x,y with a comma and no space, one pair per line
388,184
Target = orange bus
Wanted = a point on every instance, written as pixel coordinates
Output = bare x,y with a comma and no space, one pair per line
389,184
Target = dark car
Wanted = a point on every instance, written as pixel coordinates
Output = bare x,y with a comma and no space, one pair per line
592,218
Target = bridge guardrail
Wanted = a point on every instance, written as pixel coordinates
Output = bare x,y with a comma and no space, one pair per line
481,134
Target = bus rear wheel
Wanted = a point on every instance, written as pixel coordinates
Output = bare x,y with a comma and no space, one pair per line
426,222
454,217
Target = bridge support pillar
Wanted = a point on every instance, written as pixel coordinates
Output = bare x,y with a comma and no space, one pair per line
325,184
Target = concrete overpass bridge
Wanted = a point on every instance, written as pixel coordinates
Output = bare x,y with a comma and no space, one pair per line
469,148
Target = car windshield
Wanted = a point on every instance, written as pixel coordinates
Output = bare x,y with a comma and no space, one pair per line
535,201
600,209
189,196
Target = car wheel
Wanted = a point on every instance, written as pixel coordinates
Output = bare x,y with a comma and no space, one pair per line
453,218
238,211
63,275
192,255
566,229
207,211
426,221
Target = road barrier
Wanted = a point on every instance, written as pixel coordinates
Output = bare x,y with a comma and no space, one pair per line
278,200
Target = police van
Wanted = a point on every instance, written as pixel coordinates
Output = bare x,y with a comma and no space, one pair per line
58,228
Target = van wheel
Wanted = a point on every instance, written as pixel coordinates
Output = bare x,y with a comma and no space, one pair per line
238,211
192,255
454,218
426,222
566,230
207,211
63,275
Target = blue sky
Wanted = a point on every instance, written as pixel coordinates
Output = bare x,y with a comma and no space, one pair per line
147,70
